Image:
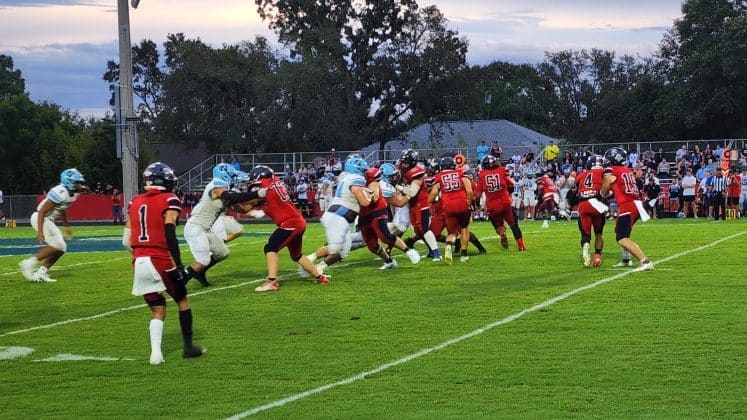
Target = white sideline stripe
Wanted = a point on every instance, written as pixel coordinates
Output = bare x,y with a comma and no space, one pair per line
476,332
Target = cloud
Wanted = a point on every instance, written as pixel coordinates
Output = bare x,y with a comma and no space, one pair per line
45,3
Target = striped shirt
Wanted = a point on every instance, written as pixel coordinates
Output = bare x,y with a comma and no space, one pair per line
717,183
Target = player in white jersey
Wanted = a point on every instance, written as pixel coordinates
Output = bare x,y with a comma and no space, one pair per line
54,205
529,196
205,245
350,195
743,192
227,227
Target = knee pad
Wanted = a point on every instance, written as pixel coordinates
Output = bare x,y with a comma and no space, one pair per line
154,299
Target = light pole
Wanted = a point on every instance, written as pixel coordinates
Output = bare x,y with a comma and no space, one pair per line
127,122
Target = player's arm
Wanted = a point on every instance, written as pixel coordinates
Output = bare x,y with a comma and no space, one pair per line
607,182
412,188
468,188
433,196
232,197
361,194
170,218
376,188
127,236
66,225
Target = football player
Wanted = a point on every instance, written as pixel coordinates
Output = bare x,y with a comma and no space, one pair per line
227,227
456,195
150,235
291,225
620,180
591,211
350,195
550,196
206,247
495,183
373,221
420,209
54,205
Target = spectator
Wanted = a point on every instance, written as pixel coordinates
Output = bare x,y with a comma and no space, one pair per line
652,191
700,173
551,151
648,158
663,168
633,159
719,152
302,189
235,163
688,193
682,153
482,150
496,150
516,158
659,156
529,155
117,207
733,190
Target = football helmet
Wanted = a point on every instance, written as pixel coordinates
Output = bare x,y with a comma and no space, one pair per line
447,163
260,172
72,179
355,165
433,167
159,176
372,175
390,173
615,156
408,158
489,162
593,162
225,172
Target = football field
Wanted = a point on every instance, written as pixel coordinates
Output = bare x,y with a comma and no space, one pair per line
507,334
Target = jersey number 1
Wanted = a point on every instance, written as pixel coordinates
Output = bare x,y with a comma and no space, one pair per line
143,213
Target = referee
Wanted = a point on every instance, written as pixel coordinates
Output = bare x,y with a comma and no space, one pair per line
716,186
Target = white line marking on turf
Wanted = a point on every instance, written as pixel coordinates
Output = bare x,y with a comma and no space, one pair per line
67,357
474,333
7,353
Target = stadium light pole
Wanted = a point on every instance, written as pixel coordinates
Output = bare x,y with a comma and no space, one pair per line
127,124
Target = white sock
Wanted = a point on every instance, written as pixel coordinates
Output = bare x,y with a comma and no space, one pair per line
312,257
625,255
430,240
156,334
42,270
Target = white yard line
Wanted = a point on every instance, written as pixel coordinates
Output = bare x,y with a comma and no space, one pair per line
471,334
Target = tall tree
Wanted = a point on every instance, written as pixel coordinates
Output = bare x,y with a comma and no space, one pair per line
11,82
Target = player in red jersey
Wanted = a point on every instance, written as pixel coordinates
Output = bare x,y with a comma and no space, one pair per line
150,234
373,220
291,225
620,180
591,211
550,196
456,196
495,183
414,177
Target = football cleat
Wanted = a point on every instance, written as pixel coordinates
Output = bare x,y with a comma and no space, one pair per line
323,280
321,267
522,248
27,268
645,266
202,278
413,256
597,261
268,286
193,351
389,265
586,255
156,358
464,258
504,241
622,264
449,254
43,277
545,225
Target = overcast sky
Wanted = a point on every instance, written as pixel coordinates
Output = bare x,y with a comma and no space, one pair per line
62,46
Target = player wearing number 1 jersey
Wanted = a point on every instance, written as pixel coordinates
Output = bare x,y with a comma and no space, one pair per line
495,183
150,234
456,196
591,211
620,180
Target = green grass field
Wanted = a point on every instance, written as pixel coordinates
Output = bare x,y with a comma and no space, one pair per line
670,343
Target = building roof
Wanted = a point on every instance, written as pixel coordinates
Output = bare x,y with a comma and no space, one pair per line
464,137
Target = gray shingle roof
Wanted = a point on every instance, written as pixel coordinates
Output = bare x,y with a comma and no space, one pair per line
464,137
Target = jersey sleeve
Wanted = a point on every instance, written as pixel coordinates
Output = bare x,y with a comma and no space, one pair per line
173,203
387,190
56,195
